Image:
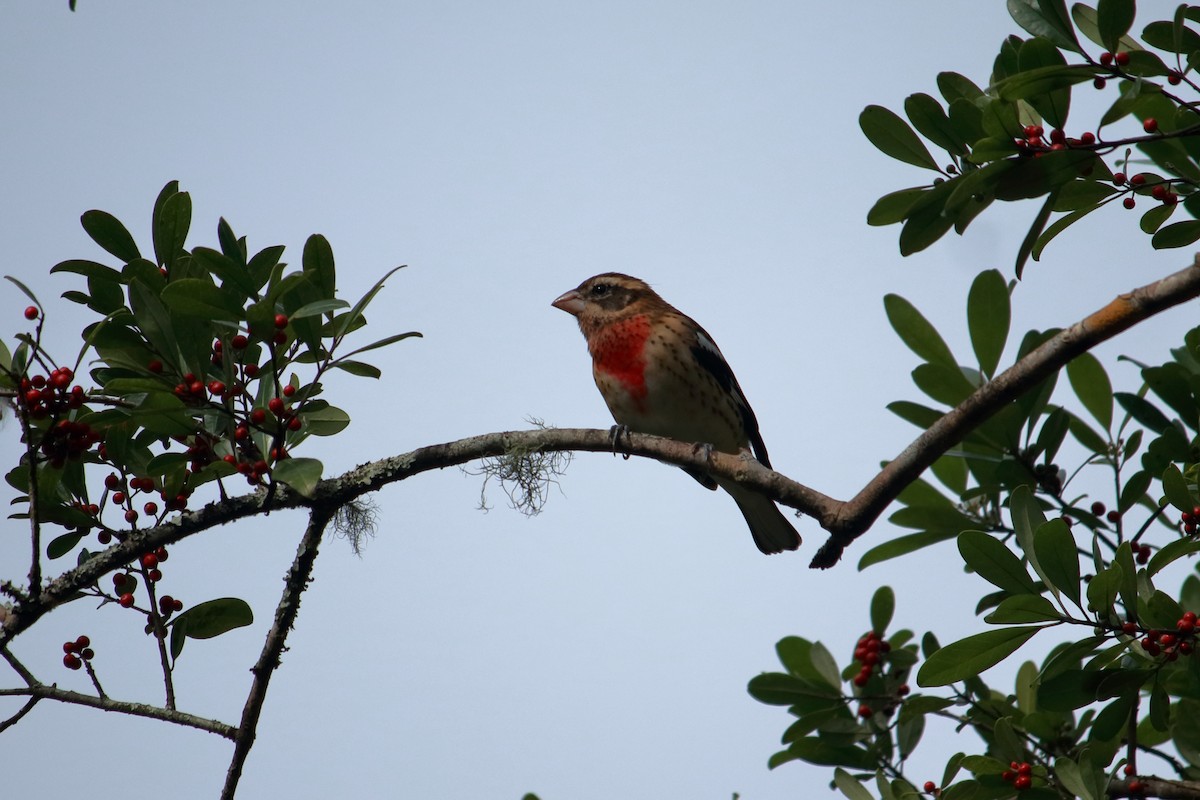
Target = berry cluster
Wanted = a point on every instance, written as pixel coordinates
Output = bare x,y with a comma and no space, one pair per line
78,651
1100,510
1160,191
1189,520
867,652
1019,775
1034,141
1141,552
1171,644
1133,786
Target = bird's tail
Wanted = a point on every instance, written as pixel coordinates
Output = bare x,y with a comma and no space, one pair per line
772,531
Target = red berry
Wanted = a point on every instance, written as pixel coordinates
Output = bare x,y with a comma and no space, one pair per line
1189,616
258,416
1196,512
118,497
229,458
154,575
865,711
162,554
178,604
126,600
151,508
1087,137
289,390
1106,58
1138,180
155,366
31,312
276,405
930,786
281,321
860,680
279,338
1128,628
1098,508
1122,59
1159,191
1174,78
112,481
239,341
1099,83
216,388
71,661
1129,202
1166,640
68,647
1113,516
251,370
294,424
82,642
88,654
131,516
1129,770
149,560
1023,782
1008,776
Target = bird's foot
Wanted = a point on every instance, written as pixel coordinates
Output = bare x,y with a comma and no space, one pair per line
705,449
615,433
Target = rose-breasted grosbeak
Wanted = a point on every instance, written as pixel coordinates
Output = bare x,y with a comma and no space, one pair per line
661,373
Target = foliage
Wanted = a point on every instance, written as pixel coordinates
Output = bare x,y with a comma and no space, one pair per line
1010,141
1118,697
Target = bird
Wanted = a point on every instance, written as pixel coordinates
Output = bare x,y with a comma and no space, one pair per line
660,373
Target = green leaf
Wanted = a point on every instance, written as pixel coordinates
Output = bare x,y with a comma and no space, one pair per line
325,421
318,307
916,332
894,207
61,545
318,265
994,562
929,118
892,135
1046,18
1035,177
816,750
232,274
945,384
849,786
1082,194
90,269
1177,234
302,474
928,220
108,232
988,318
1171,552
883,605
954,87
1058,557
359,368
1023,608
1175,487
1172,37
196,297
1153,219
1092,386
171,223
1058,227
969,657
208,619
1033,236
902,545
1142,410
1038,81
1114,19
1102,590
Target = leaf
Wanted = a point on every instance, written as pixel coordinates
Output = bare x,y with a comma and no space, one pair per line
995,563
1023,608
988,318
892,135
325,421
1142,410
1047,18
171,223
1177,234
359,368
1058,227
61,545
816,750
1058,557
317,263
971,656
954,86
902,545
927,222
208,619
894,207
1034,235
108,232
232,274
196,297
1114,19
302,474
384,342
849,786
1176,489
1102,590
883,605
90,269
916,332
1171,552
930,120
318,307
1092,386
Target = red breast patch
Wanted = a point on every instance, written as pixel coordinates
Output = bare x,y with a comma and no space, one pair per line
617,351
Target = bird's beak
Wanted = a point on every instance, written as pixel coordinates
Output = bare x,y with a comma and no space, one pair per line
570,302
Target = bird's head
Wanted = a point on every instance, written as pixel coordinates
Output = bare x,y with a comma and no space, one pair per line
607,297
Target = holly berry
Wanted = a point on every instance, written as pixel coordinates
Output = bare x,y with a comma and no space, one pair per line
1022,782
125,600
276,405
155,366
239,342
258,416
151,509
1087,137
31,313
1113,516
1150,125
930,786
1173,78
281,321
865,711
83,642
154,576
1106,59
1099,83
289,390
149,560
1098,508
1138,180
131,516
71,661
1122,59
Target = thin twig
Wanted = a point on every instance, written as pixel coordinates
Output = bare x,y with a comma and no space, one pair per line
295,582
43,691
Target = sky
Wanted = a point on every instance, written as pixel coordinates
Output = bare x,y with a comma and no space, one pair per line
505,152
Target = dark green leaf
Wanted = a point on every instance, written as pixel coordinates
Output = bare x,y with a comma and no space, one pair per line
1175,487
61,545
917,414
1047,18
359,368
325,421
302,474
1023,608
1102,590
1153,219
196,297
931,121
1033,236
233,275
1171,37
1058,227
818,751
1170,552
945,384
1030,84
916,332
849,786
892,135
108,232
1081,194
894,207
954,86
1092,387
1034,177
1177,234
1058,557
89,268
971,656
988,318
215,617
883,604
994,562
1114,18
927,222
902,545
318,265
171,223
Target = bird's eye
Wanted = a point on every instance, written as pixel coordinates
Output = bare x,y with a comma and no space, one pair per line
600,290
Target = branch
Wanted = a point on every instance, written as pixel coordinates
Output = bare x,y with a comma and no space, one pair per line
295,583
40,691
844,520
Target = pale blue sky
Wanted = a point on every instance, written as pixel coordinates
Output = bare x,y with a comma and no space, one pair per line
505,152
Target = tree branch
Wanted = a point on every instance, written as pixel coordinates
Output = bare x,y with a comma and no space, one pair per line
40,691
296,581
